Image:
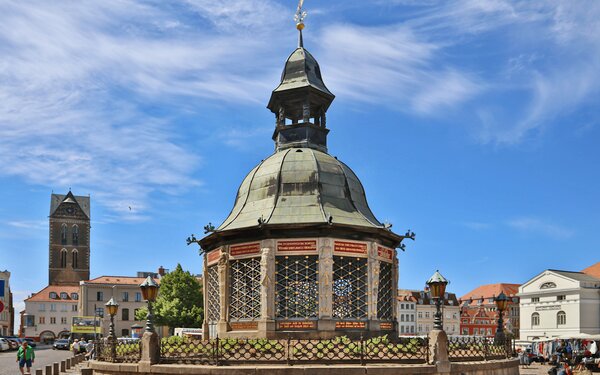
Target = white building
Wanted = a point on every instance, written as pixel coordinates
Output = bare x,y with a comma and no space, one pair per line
50,312
407,314
560,304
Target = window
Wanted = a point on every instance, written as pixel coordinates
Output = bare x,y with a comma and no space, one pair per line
53,307
75,234
74,296
475,331
401,329
561,298
426,328
401,306
63,320
489,331
53,295
465,331
454,316
420,314
296,286
427,314
124,332
42,320
100,312
125,296
63,295
64,307
535,299
52,320
561,318
75,255
99,296
491,300
63,258
412,329
125,314
138,297
42,307
401,317
535,319
74,308
63,234
420,328
412,317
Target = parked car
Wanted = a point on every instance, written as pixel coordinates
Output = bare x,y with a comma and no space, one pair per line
30,341
62,344
4,345
14,343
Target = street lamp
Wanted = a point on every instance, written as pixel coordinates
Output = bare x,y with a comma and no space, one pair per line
501,304
149,291
437,287
112,307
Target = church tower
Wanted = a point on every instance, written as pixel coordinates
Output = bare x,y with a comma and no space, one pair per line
69,253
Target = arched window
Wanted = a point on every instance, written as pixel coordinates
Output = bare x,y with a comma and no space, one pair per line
75,234
535,319
561,318
63,234
75,255
63,258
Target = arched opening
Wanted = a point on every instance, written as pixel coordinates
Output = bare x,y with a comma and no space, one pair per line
535,319
561,318
63,258
63,234
47,337
75,256
75,234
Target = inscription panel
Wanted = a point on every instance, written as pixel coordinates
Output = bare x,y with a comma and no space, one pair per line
350,248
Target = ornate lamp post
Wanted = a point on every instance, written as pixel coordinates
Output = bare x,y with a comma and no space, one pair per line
437,287
149,291
501,304
112,307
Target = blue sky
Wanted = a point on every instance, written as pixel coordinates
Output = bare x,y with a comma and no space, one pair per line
473,123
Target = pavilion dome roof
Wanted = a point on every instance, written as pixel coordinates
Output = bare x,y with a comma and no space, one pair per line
300,186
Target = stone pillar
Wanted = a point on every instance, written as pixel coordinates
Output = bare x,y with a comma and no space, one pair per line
205,288
39,371
150,349
438,350
63,366
223,265
55,368
267,288
326,285
68,363
48,370
373,282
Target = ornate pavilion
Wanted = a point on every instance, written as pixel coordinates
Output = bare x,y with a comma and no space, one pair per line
300,254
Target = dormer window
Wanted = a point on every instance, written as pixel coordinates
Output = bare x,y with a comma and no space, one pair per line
74,296
64,295
53,295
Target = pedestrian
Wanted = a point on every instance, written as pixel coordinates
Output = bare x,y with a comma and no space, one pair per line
25,357
75,347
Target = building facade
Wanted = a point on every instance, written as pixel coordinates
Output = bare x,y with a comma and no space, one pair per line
69,239
559,303
407,313
425,311
7,311
126,292
49,312
483,298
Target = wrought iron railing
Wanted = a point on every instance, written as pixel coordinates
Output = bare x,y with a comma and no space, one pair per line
473,348
118,351
294,351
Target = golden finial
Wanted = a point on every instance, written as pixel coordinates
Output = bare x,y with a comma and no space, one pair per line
300,15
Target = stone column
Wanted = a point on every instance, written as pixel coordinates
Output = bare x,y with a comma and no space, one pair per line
267,288
326,285
438,350
373,285
150,351
223,266
205,296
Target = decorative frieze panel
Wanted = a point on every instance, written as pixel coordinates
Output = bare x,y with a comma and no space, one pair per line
297,289
350,287
350,248
213,257
212,295
300,246
244,292
384,295
244,250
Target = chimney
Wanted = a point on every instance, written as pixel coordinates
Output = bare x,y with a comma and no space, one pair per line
161,271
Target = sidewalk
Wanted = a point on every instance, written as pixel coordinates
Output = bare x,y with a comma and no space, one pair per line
534,369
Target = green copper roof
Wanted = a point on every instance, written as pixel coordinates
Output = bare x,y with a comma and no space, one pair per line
302,70
300,186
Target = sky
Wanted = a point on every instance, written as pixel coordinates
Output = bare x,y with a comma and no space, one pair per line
473,123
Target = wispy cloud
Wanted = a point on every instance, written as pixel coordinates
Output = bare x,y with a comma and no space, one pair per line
539,226
29,224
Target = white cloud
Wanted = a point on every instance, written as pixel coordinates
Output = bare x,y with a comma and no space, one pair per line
539,226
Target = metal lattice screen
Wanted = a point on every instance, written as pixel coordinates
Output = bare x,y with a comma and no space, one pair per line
349,287
213,313
384,292
244,301
297,289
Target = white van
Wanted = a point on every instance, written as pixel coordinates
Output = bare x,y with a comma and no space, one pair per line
4,345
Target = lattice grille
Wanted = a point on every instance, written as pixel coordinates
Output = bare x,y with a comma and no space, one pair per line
384,293
297,289
213,314
244,302
349,287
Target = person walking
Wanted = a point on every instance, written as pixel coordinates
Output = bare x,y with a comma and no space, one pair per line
25,357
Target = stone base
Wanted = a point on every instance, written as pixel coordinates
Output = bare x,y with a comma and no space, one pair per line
150,348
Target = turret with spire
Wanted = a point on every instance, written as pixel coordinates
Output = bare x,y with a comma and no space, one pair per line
301,100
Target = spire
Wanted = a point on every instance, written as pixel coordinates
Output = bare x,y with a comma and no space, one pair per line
301,99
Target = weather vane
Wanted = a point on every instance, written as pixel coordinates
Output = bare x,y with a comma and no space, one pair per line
300,16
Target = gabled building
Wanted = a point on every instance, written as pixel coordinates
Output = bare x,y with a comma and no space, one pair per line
425,311
483,297
7,311
557,303
407,313
478,322
49,312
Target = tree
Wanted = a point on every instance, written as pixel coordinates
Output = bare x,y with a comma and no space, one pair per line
179,302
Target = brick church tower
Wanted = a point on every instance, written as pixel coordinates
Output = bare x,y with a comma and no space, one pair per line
69,253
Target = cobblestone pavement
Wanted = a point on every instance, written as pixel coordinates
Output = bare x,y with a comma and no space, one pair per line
43,357
534,369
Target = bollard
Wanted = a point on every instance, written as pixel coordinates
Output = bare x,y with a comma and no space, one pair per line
55,368
87,371
68,363
48,370
63,366
39,371
75,360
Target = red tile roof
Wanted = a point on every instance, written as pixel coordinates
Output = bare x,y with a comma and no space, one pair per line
491,290
44,294
593,270
119,280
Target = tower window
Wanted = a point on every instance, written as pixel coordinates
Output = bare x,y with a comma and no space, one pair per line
63,234
75,234
63,258
75,256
